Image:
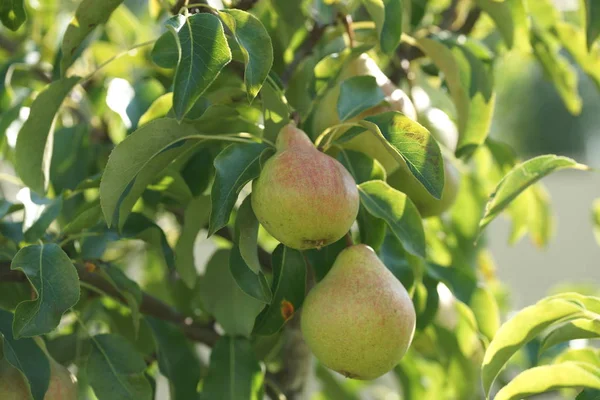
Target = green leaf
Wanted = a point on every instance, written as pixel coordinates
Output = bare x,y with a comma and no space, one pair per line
398,211
471,88
32,155
573,40
593,22
12,14
582,328
195,218
520,178
234,372
563,75
550,377
246,234
88,16
142,227
486,312
511,19
204,53
275,109
235,166
166,52
387,15
289,287
127,288
358,94
221,296
135,163
116,371
8,116
84,220
26,356
461,281
254,285
407,142
596,219
39,214
255,44
322,260
55,282
589,394
177,360
158,109
520,329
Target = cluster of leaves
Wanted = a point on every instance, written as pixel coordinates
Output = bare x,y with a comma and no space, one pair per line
148,120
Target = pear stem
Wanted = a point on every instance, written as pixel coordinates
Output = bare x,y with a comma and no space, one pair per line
349,240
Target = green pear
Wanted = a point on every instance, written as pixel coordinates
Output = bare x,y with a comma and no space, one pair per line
303,197
13,385
359,320
403,180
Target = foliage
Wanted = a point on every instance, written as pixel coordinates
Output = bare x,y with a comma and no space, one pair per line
130,132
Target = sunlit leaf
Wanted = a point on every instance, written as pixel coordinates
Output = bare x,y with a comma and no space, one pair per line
387,15
520,178
511,19
582,328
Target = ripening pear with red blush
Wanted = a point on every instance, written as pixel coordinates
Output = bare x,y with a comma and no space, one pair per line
303,197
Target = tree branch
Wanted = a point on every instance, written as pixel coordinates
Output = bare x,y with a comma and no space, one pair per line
152,306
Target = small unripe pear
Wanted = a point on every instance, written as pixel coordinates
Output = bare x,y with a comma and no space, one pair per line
303,197
13,386
427,205
359,320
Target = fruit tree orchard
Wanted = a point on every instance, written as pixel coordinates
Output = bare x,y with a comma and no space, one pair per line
277,199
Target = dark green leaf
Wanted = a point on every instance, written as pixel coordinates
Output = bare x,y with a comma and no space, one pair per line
387,15
84,220
403,265
593,22
470,85
26,356
142,227
116,371
56,285
166,51
177,360
234,372
246,233
9,116
136,161
396,209
88,16
322,259
235,166
204,53
70,157
589,394
520,178
254,285
462,282
195,218
289,287
32,155
358,94
221,296
255,44
127,288
12,14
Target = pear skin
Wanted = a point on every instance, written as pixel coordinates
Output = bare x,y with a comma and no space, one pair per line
13,385
427,205
303,197
359,320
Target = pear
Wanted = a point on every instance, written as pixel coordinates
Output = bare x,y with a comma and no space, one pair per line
359,320
303,197
427,205
13,385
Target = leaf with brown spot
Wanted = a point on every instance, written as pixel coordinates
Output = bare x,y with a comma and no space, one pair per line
289,286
